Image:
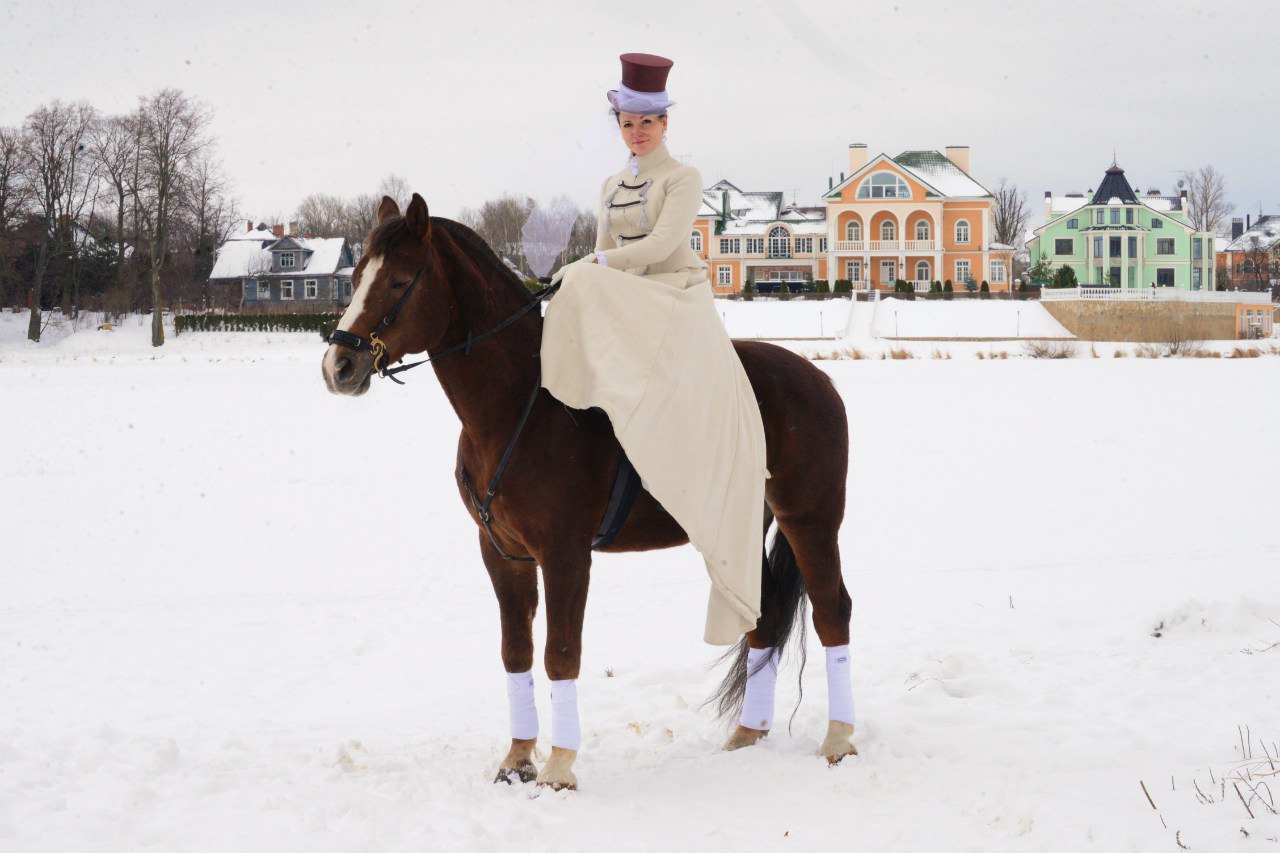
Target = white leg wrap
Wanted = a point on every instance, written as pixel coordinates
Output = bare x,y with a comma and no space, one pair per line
524,710
564,714
839,685
757,705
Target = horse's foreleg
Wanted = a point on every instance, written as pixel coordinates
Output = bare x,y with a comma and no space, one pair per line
516,586
566,578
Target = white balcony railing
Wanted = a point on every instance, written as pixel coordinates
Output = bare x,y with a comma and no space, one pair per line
921,286
1152,294
922,246
884,245
850,245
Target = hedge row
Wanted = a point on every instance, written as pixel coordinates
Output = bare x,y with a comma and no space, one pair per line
322,323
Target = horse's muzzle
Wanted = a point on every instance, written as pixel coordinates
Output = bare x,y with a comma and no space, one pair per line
346,371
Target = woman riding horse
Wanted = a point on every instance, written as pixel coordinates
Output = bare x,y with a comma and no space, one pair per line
632,334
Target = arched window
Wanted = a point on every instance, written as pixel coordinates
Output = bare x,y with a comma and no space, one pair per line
888,230
779,243
695,241
853,231
922,230
884,185
962,231
922,271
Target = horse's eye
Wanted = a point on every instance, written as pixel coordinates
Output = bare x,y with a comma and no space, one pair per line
400,285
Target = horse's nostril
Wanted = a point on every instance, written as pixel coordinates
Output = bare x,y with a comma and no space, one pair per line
343,369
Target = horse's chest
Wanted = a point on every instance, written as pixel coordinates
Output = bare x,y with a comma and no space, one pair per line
631,207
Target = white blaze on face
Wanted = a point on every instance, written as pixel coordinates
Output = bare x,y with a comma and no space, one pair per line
367,277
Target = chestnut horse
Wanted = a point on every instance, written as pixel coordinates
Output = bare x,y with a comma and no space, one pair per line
430,284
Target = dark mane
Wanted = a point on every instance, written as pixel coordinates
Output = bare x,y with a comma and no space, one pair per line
391,231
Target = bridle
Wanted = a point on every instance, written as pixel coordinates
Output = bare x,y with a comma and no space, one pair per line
375,345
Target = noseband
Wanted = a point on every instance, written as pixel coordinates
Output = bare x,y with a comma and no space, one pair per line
375,345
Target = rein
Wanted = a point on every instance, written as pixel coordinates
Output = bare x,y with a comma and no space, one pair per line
375,345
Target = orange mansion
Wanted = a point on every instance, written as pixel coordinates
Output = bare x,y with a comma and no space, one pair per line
917,216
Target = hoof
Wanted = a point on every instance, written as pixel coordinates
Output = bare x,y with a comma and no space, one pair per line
518,765
837,744
558,772
744,736
512,775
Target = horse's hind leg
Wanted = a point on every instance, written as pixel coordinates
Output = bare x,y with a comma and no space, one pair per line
757,691
817,553
516,585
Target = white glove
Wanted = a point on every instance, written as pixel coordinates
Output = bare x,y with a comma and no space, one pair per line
555,279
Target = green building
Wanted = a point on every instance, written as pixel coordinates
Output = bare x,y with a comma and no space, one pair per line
1116,238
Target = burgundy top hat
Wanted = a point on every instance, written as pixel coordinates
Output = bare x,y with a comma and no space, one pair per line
644,84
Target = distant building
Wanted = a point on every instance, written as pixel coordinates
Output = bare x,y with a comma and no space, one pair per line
1115,238
756,236
1252,258
918,216
270,270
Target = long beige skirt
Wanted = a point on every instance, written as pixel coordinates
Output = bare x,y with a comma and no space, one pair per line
652,352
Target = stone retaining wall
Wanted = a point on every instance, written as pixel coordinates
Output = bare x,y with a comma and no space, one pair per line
1145,322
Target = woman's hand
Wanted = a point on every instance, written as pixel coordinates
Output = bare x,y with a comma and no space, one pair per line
555,279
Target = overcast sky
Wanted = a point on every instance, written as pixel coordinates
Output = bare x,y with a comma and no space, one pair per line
467,100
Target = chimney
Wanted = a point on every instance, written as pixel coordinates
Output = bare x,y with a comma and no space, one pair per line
248,225
831,183
959,155
842,177
291,228
277,230
857,157
1237,227
1048,205
1248,221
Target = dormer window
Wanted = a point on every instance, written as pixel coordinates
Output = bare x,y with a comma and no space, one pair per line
288,260
884,185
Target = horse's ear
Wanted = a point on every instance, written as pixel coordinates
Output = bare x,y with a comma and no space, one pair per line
387,209
417,217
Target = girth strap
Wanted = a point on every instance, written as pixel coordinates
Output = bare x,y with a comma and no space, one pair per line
625,488
482,507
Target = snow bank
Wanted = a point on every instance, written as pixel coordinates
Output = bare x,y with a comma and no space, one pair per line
242,614
964,319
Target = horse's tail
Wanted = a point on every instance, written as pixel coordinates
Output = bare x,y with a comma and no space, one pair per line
789,604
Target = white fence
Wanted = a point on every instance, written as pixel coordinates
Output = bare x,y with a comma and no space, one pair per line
1153,294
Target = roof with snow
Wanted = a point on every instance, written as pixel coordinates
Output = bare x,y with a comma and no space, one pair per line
242,257
941,177
934,169
751,214
1263,235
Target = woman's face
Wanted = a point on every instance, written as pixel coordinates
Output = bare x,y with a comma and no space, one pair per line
641,134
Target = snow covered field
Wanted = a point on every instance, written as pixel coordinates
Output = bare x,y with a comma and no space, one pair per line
241,614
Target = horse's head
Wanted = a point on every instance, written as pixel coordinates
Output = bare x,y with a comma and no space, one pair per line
399,305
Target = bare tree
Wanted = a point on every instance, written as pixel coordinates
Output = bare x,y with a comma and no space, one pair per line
1207,206
358,219
500,222
1011,214
13,199
172,136
115,147
60,174
209,215
398,188
321,214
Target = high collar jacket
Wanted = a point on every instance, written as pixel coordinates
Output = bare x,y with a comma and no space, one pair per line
646,217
